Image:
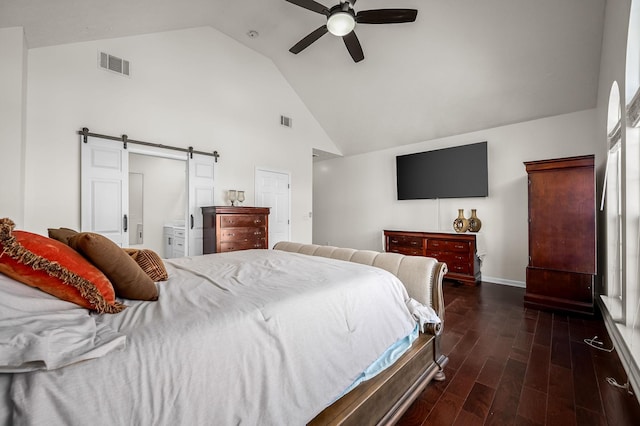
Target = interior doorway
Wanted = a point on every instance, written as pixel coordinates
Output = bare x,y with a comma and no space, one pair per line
273,190
105,203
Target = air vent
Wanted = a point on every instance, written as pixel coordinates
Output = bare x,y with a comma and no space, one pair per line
285,121
113,63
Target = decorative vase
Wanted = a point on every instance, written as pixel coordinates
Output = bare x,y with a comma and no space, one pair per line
474,223
460,224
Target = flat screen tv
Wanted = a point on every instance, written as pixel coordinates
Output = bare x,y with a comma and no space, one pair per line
456,172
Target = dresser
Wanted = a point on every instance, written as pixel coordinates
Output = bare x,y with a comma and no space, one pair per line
562,234
228,228
458,251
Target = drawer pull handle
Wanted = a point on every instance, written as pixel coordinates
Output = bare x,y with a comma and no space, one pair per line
414,243
394,241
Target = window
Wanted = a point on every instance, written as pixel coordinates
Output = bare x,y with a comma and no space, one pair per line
621,199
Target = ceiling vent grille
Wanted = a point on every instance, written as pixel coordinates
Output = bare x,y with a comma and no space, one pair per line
286,121
113,63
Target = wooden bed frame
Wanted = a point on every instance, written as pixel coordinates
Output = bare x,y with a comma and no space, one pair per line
384,399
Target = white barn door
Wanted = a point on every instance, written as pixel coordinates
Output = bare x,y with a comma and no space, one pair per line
272,190
200,195
104,189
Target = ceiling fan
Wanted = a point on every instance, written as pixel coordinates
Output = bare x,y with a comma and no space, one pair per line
342,19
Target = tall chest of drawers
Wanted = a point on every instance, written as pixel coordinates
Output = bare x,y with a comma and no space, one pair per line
458,251
228,228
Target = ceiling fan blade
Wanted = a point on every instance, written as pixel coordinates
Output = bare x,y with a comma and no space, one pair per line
353,46
311,5
306,42
386,16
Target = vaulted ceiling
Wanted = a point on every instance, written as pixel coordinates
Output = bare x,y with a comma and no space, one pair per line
463,65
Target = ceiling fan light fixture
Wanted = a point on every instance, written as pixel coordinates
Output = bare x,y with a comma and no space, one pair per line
341,23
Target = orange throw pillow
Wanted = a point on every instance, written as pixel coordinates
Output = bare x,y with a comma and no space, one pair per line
55,268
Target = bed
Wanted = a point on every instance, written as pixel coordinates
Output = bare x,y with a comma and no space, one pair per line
295,335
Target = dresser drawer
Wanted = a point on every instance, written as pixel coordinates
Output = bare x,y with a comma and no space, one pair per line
410,251
448,256
238,220
178,247
456,262
560,285
444,245
406,241
242,234
459,268
243,245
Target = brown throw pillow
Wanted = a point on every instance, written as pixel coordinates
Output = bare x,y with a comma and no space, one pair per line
128,279
150,263
62,234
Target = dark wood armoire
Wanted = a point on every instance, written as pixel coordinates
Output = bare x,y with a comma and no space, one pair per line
562,234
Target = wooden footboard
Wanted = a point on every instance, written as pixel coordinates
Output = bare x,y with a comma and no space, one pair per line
383,399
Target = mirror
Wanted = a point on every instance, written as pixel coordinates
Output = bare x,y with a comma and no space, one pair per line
136,194
157,198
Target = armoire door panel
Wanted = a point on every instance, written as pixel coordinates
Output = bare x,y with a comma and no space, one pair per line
561,220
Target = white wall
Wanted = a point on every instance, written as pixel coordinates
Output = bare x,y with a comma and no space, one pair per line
13,77
193,87
355,197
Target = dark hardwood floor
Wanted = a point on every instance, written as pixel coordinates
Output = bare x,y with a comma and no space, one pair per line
514,366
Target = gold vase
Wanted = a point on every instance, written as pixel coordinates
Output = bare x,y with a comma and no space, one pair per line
460,224
474,223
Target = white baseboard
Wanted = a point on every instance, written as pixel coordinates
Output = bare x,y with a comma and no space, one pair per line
502,281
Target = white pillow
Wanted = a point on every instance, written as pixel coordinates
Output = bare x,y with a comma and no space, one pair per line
39,331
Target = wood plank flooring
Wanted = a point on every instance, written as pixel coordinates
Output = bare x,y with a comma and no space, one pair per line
514,366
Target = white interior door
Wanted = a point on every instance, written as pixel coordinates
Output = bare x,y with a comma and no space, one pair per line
104,189
200,195
272,190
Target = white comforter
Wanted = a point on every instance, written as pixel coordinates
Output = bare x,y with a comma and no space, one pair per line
252,337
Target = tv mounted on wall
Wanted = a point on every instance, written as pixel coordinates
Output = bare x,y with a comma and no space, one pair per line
456,172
